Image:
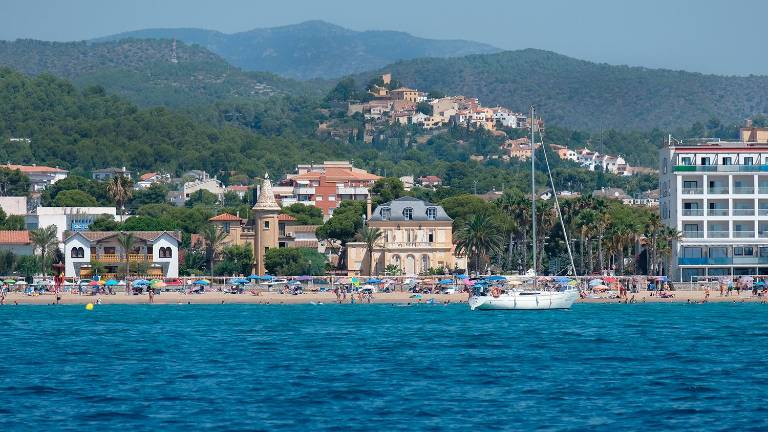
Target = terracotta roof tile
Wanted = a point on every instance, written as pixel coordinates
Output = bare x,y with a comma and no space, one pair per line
147,176
282,217
142,235
33,168
304,228
14,237
225,217
305,244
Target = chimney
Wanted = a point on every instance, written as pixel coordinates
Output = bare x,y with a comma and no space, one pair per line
368,207
748,123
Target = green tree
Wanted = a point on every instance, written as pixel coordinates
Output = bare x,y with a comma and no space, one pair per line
126,241
347,220
388,189
294,261
236,260
27,266
370,236
74,198
120,188
93,188
214,239
13,183
479,238
146,223
424,108
155,194
104,222
202,197
44,240
304,214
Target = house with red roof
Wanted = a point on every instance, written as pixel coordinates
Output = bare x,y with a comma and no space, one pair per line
17,242
40,176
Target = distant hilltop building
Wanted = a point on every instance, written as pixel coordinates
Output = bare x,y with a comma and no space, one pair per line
40,176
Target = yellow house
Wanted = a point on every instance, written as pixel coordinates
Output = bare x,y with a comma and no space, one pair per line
405,93
417,236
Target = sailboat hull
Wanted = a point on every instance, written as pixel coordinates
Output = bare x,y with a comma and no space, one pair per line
542,300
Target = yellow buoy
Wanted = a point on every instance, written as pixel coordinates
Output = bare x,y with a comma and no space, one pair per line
89,306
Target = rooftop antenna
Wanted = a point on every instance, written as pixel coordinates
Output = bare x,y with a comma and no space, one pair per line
173,52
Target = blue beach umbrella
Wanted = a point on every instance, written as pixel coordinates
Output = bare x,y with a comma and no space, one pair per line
112,282
267,278
140,282
373,281
462,276
239,281
201,282
595,282
254,277
495,278
445,281
562,279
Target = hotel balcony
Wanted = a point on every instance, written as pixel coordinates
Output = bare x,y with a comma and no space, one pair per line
344,190
743,190
115,258
303,190
693,212
721,168
743,212
717,234
718,190
717,212
743,234
693,234
693,191
705,261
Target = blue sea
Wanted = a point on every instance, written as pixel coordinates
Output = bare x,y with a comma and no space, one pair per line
380,367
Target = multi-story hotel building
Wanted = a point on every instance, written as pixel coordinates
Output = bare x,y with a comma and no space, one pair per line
716,194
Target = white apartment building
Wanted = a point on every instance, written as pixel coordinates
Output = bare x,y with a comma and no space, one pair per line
716,195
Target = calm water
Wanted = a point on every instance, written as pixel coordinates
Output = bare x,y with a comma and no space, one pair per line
373,367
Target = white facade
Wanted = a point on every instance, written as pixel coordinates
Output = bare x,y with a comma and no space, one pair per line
716,195
13,205
67,218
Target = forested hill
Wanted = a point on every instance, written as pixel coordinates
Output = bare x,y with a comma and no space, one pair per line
585,95
142,71
313,49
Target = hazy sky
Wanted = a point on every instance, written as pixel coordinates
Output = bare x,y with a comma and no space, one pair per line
710,36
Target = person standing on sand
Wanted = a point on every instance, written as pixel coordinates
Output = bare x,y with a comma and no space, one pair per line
151,292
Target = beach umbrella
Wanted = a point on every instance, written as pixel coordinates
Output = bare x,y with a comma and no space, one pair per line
600,287
462,276
495,278
595,282
573,282
368,286
239,281
373,281
609,279
9,281
304,278
294,283
93,283
160,284
139,282
760,283
254,277
21,282
469,282
202,282
445,281
562,279
111,282
267,277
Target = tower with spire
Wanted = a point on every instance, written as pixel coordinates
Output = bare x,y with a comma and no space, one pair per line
265,225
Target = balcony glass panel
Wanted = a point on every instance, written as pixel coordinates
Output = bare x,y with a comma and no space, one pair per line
717,234
743,212
719,190
693,212
693,234
744,190
743,234
693,191
717,212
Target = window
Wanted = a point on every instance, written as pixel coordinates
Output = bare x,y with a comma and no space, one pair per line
77,252
385,213
318,197
763,251
686,160
431,237
692,252
431,213
691,228
331,197
727,160
226,227
748,161
743,251
165,252
109,250
718,252
408,213
690,184
266,224
705,161
266,248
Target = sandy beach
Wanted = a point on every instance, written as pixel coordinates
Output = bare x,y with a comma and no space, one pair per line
273,298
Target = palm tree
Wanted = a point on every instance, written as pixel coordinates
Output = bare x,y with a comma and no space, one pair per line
44,240
666,237
479,238
121,190
369,236
213,237
126,241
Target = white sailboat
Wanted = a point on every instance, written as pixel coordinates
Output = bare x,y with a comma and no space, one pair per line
531,298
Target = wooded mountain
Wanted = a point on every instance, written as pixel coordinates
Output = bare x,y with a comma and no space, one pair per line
142,71
585,95
313,49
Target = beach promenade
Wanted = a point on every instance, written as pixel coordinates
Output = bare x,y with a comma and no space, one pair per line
273,298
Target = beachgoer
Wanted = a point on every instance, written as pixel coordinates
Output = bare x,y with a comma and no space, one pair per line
151,292
722,287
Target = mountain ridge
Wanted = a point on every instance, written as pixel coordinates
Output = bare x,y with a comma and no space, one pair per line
326,49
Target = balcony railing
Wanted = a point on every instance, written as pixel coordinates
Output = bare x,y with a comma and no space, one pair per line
693,234
744,190
718,190
304,190
743,234
762,190
717,212
118,258
693,212
762,234
743,212
343,190
762,212
704,261
721,168
693,191
717,234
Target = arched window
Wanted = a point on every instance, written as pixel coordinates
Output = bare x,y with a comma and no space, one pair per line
431,213
408,213
166,252
385,213
77,252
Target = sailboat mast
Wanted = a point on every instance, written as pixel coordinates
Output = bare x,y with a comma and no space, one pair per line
533,194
